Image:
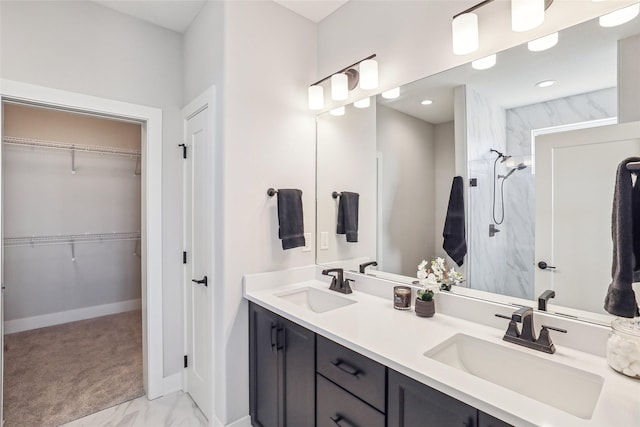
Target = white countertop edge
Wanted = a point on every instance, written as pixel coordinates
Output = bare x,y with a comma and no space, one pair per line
512,407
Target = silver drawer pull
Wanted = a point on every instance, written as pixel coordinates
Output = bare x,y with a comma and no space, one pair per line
339,420
345,367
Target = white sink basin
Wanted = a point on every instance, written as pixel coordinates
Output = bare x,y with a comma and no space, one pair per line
316,300
563,387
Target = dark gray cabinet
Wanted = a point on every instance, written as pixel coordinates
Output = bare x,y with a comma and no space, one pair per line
281,371
413,404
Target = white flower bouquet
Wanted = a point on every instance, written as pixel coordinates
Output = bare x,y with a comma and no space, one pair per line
436,275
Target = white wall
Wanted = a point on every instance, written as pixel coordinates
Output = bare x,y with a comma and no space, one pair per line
83,47
628,71
444,171
346,161
407,145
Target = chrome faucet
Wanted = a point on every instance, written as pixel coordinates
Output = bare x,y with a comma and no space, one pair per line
526,336
338,284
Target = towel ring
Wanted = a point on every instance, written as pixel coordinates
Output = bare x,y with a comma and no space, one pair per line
335,194
272,192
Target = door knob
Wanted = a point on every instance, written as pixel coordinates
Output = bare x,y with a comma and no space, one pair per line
543,266
202,281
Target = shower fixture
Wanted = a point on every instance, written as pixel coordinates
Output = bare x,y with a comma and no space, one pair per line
496,177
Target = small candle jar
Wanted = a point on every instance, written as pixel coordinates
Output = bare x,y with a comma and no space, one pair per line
402,297
623,346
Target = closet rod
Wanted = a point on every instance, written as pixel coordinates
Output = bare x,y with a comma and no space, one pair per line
633,166
69,238
39,143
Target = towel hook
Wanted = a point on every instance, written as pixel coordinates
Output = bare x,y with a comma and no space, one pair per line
272,192
335,194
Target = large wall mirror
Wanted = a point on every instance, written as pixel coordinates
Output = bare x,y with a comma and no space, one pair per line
538,162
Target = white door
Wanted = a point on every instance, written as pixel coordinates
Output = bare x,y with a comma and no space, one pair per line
198,211
574,183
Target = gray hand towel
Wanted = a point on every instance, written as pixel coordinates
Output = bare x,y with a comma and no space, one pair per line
625,232
290,218
455,242
348,215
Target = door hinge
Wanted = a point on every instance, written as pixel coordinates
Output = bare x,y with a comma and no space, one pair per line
184,150
185,361
184,257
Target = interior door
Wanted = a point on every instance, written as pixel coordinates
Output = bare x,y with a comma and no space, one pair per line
574,184
198,271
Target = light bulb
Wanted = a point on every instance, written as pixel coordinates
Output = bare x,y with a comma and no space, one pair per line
363,103
484,63
526,14
339,87
316,97
619,17
391,93
464,30
543,43
368,74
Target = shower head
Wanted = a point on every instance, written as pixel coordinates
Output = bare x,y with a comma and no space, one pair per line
517,168
501,156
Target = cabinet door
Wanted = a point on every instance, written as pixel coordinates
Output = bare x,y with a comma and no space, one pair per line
298,367
486,420
413,404
263,367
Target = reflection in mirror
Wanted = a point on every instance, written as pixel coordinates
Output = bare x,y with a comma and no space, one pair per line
499,130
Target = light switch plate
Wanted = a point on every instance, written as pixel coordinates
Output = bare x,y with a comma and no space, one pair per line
324,240
307,242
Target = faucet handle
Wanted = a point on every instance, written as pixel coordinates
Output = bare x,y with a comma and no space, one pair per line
564,331
544,340
503,316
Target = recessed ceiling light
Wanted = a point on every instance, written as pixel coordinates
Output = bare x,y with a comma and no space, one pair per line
546,83
392,93
484,63
427,102
620,17
543,43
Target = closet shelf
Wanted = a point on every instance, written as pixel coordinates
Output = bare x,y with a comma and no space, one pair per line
69,239
28,142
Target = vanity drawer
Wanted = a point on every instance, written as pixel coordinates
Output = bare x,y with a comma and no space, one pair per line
336,407
352,371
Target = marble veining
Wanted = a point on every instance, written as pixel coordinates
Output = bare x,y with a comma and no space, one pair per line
174,410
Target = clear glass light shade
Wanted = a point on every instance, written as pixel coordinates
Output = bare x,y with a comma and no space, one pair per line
620,17
464,30
363,103
338,111
339,87
391,93
526,14
543,43
316,97
368,74
484,63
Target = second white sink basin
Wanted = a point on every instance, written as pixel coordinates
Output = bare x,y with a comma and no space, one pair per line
563,387
316,300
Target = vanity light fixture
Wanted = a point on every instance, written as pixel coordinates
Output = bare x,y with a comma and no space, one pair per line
391,93
484,63
543,43
363,103
338,111
546,83
525,15
619,17
427,102
345,80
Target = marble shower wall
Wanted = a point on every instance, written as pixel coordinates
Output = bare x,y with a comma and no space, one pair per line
519,223
486,124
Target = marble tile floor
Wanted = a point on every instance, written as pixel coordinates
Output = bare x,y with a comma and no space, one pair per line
174,410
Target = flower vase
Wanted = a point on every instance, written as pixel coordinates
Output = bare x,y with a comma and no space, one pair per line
425,308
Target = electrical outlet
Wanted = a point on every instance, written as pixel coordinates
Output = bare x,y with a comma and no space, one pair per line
307,242
324,240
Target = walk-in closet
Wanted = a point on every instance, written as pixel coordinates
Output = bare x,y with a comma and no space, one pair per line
72,264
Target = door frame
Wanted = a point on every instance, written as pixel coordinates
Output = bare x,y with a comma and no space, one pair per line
151,206
206,100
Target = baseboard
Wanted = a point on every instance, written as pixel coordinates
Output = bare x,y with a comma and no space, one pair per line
172,383
242,422
35,322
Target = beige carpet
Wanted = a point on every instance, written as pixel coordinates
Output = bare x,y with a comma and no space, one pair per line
58,374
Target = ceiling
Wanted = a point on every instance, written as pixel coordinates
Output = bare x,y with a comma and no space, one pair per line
584,60
177,15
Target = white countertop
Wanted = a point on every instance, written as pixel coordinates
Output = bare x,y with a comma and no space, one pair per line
398,339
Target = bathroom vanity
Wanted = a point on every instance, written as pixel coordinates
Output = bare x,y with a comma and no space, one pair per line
325,359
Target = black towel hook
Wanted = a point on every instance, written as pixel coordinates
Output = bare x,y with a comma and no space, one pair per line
272,192
335,194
